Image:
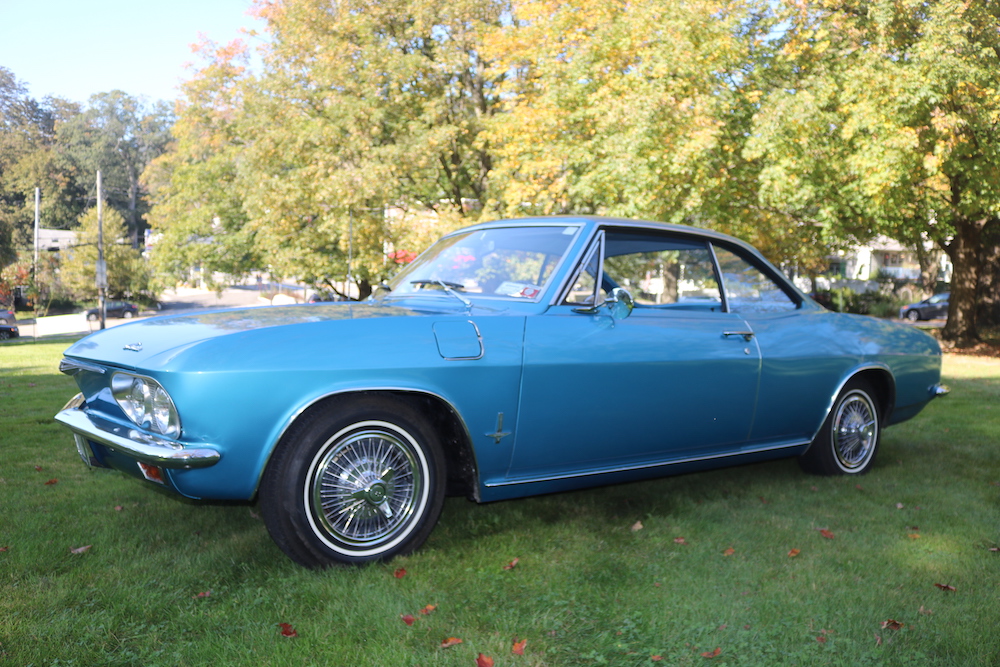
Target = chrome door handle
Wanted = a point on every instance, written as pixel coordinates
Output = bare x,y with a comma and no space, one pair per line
747,335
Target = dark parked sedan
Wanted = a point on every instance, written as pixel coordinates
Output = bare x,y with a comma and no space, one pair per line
8,331
936,307
7,317
114,309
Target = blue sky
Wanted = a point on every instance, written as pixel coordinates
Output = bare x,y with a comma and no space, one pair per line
76,48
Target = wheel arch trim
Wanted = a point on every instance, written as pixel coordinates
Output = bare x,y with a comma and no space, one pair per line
875,369
406,393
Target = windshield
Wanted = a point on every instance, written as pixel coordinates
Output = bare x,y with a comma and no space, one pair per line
511,262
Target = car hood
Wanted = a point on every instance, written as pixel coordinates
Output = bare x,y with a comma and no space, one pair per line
155,342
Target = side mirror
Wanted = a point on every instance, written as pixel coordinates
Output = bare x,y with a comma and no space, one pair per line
620,303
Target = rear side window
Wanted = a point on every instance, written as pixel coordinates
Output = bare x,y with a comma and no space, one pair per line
748,289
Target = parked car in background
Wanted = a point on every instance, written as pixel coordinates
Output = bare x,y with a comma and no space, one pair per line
122,309
933,308
7,317
323,297
512,358
9,331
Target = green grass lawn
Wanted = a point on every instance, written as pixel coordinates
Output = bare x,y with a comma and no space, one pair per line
166,582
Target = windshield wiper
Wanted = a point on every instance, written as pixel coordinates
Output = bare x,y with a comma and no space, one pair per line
448,287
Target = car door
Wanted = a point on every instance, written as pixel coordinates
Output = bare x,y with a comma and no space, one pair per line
803,354
677,378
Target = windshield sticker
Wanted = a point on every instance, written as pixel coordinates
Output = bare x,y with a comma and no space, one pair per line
523,290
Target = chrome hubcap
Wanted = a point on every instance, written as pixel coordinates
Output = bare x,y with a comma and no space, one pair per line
855,432
366,487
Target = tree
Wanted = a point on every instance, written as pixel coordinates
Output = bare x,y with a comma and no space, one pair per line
886,123
119,136
197,195
29,158
129,276
365,105
634,109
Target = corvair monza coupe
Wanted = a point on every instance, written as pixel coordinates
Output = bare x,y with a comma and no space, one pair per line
512,358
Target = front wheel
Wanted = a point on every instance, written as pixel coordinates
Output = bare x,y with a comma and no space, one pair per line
362,481
913,315
849,439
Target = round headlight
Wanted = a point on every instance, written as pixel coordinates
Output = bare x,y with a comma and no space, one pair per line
146,403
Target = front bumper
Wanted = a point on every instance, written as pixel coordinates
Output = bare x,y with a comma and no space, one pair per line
132,443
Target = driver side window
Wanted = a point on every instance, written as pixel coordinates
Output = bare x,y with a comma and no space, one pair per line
658,270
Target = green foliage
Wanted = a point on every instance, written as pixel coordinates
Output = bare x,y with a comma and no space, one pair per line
117,135
29,158
128,275
882,118
875,303
587,590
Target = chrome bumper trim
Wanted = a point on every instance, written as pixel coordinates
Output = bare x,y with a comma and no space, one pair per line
158,452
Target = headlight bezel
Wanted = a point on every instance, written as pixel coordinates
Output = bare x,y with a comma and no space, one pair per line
146,404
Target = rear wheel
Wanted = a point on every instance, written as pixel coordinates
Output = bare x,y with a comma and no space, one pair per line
362,481
849,439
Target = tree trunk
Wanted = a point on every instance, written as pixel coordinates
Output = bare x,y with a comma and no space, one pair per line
928,260
988,294
964,253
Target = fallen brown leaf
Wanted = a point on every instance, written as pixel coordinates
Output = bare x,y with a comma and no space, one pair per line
511,565
826,533
518,647
81,550
407,618
945,587
890,624
637,526
711,654
484,661
793,553
399,573
287,630
450,641
729,552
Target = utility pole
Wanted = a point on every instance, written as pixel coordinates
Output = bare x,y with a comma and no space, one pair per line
34,262
102,267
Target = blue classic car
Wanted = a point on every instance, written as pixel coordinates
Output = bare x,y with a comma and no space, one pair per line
512,358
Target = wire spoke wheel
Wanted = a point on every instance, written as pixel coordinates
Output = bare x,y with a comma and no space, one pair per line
849,438
855,430
355,480
367,486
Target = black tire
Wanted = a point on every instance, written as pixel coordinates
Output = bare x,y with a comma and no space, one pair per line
128,314
913,315
92,317
4,335
849,439
360,480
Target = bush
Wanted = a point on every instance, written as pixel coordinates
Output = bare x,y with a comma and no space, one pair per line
846,300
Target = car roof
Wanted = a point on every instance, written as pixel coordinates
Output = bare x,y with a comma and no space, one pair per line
594,221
